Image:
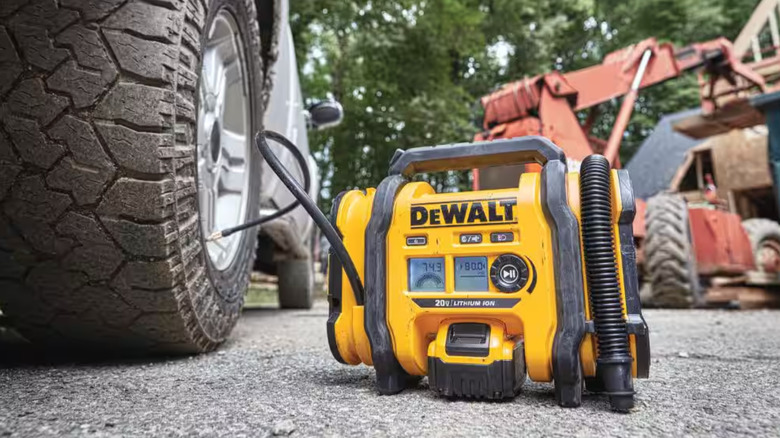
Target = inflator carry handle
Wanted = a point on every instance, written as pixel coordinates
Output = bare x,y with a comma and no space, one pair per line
463,156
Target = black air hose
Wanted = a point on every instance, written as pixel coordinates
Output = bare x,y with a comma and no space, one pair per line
614,357
301,198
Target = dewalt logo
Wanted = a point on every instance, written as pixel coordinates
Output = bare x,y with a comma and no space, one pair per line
464,213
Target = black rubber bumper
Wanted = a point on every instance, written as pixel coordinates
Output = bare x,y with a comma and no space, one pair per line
636,322
334,285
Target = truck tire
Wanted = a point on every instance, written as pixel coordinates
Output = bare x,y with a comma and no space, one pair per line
296,283
669,254
646,294
764,235
101,236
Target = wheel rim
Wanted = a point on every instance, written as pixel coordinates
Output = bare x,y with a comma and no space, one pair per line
224,138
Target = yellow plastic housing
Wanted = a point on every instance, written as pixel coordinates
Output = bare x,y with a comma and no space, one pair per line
419,332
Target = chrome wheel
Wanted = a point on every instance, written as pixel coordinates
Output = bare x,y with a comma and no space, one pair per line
224,138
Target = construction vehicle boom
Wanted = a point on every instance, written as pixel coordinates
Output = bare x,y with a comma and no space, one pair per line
548,104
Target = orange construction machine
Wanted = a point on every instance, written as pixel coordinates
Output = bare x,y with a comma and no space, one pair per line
564,107
548,104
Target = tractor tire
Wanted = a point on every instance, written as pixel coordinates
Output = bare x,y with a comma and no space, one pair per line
646,294
669,254
764,235
101,243
296,283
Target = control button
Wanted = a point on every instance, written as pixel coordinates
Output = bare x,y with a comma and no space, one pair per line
509,273
502,237
416,241
470,238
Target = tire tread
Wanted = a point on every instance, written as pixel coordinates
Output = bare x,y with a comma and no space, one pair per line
760,230
669,254
100,242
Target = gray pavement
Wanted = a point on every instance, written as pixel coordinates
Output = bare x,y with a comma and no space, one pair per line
713,373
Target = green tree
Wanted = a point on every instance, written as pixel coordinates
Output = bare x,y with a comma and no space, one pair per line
395,66
410,73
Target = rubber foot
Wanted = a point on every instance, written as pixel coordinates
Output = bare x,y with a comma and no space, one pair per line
569,396
621,403
393,383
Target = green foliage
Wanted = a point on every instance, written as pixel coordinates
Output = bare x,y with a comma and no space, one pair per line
396,68
679,22
410,73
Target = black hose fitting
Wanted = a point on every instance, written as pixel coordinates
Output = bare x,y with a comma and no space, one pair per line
614,361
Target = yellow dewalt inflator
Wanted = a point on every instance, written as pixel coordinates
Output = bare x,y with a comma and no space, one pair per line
478,289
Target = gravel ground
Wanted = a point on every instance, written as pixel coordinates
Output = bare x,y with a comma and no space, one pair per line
713,373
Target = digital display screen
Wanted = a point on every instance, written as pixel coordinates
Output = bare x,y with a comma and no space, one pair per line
426,274
471,274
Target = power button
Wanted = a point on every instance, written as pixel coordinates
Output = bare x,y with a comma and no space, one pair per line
509,273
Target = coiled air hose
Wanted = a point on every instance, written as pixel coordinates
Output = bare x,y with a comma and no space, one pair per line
302,198
614,357
306,186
